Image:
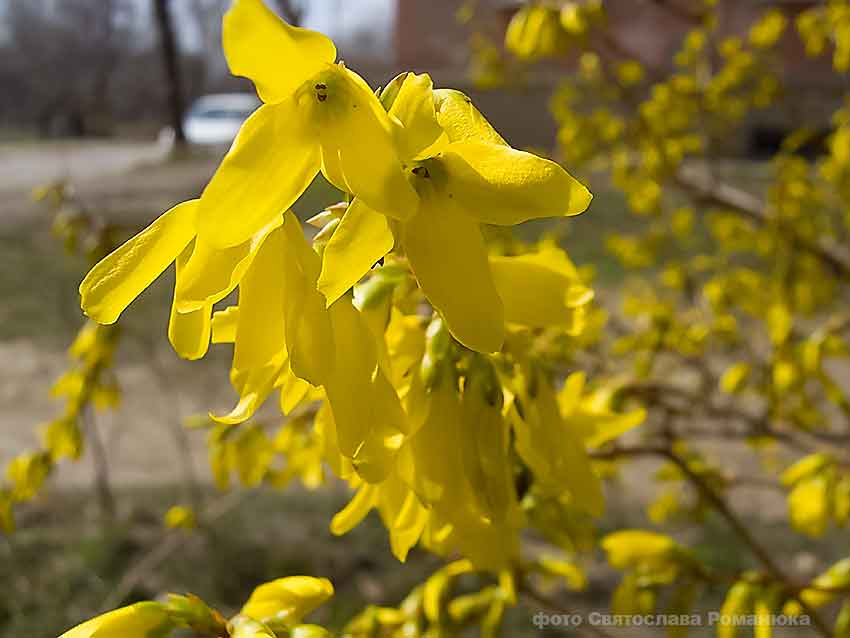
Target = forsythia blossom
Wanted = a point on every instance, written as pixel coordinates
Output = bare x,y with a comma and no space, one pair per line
423,407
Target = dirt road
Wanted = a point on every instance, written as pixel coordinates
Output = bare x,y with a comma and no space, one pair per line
25,166
133,180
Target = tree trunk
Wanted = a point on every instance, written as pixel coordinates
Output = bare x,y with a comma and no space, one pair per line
171,67
290,11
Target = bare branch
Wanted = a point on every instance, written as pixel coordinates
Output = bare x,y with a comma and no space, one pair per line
712,191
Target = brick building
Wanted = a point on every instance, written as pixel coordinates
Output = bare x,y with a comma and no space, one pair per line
429,37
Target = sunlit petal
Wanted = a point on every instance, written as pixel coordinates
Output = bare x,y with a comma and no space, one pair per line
224,325
308,328
355,511
122,275
461,120
501,185
288,599
359,155
538,289
271,163
140,619
275,55
361,239
189,333
213,273
413,106
368,413
448,256
260,346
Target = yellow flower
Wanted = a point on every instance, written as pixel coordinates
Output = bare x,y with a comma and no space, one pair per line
631,548
282,332
401,511
317,114
553,447
136,621
205,275
122,275
287,600
465,178
452,486
541,289
180,517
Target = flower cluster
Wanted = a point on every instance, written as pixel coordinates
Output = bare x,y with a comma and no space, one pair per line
414,345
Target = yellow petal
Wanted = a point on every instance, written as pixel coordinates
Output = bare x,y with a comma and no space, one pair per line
355,511
359,155
134,621
189,333
276,56
260,346
308,328
255,385
484,447
224,325
569,397
599,429
245,627
288,600
555,451
413,106
361,239
403,515
121,276
430,461
501,185
406,528
212,273
292,389
461,120
271,163
448,256
367,411
534,290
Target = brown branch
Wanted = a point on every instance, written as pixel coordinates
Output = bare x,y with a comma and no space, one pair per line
712,191
658,394
738,526
717,502
103,488
679,11
171,541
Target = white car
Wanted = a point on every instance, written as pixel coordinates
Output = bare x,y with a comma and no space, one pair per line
215,119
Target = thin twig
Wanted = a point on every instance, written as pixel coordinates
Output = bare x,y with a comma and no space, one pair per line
170,542
712,191
105,497
714,499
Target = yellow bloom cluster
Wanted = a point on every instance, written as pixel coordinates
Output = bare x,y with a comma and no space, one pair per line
416,376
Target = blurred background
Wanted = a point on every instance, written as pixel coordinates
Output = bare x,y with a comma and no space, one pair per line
126,107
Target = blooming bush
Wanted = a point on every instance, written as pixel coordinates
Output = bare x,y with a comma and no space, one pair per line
471,390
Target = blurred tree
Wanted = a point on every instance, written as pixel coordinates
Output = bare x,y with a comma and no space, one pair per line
207,15
59,63
290,10
171,66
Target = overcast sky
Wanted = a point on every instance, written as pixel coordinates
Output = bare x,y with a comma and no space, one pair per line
342,18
